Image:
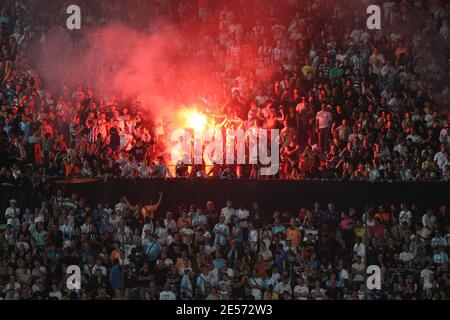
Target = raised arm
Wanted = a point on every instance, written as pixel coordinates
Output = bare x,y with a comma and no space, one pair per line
159,200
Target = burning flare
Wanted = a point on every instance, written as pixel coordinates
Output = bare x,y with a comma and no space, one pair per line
195,120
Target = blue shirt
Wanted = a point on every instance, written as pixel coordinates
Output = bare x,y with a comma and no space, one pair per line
106,227
240,237
219,264
278,229
98,214
186,286
199,220
152,249
221,231
116,277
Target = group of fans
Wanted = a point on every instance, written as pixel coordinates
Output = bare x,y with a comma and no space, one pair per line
350,103
134,251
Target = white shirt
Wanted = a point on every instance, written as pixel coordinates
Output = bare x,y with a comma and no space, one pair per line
374,174
356,34
405,216
257,293
428,221
202,280
324,118
221,231
125,141
12,215
376,60
429,119
444,137
227,213
319,292
359,267
55,294
301,290
66,229
161,234
229,272
359,249
186,285
167,262
340,57
281,287
166,295
243,215
253,236
415,138
402,149
85,228
101,268
170,224
16,286
147,226
144,171
425,274
440,158
406,256
26,246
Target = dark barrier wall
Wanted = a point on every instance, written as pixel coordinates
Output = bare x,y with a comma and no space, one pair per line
271,194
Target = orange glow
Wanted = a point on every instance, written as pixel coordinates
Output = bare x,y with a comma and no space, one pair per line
193,119
196,121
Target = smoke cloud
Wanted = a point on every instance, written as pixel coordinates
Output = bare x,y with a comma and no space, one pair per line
165,67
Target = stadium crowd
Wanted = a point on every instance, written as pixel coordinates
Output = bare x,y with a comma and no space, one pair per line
134,251
351,103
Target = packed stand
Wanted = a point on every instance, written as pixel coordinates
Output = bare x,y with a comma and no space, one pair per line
135,251
351,103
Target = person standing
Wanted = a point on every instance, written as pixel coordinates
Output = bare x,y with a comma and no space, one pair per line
323,123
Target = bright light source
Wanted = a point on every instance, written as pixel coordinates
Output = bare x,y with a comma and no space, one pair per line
196,121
